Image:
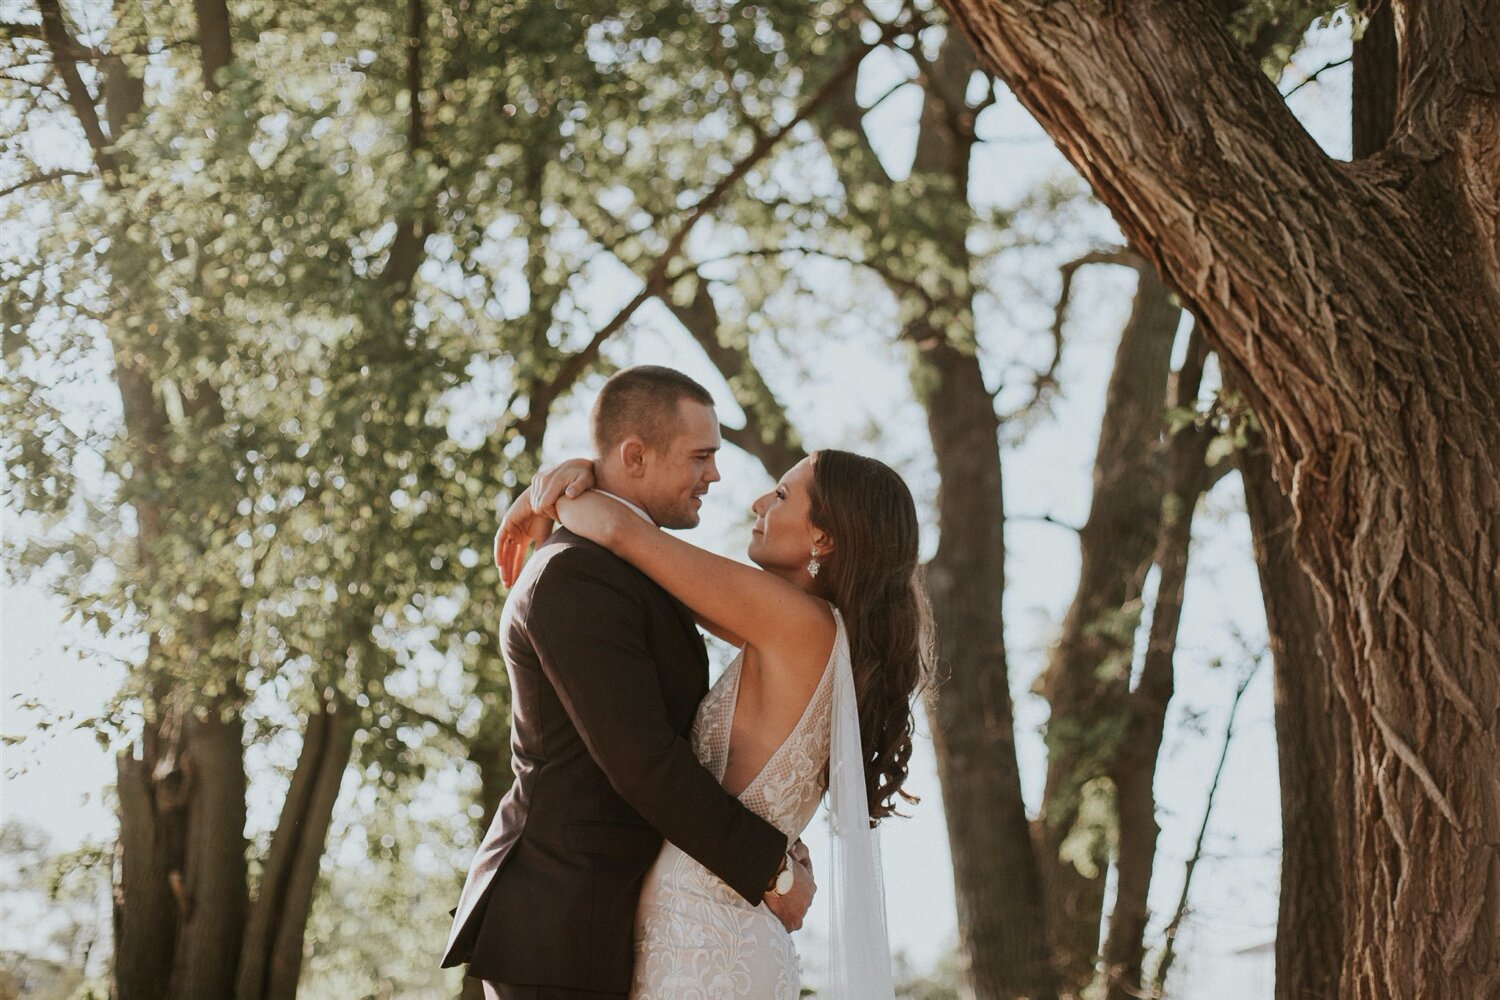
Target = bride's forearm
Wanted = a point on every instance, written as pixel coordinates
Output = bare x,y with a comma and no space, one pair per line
599,519
746,602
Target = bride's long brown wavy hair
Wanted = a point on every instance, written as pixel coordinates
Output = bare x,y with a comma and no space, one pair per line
871,575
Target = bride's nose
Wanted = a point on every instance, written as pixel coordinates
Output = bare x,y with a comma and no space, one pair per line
756,506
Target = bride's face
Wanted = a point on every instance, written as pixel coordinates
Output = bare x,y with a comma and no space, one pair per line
784,536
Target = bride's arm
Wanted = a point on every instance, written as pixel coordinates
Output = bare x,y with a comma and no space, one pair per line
762,609
719,631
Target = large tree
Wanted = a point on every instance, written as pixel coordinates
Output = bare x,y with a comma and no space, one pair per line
302,242
1361,303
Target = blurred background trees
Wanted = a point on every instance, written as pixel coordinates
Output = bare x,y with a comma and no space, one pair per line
294,297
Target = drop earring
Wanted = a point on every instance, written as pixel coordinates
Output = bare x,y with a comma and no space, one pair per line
813,565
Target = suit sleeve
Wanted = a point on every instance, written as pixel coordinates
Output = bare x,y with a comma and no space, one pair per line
589,634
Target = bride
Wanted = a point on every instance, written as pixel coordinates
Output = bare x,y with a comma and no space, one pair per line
834,638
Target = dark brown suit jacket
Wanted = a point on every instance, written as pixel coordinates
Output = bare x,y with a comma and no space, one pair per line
606,672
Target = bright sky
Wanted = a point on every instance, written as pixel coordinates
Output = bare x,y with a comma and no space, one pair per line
56,780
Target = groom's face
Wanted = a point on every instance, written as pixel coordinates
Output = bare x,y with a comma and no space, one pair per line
677,475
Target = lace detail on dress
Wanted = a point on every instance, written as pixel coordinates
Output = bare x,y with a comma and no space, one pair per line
696,938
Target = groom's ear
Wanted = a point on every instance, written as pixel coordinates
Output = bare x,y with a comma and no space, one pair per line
632,452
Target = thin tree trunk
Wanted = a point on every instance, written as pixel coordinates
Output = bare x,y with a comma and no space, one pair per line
998,887
1169,944
150,898
1375,66
271,958
1362,302
1133,768
1088,674
1001,917
998,883
311,844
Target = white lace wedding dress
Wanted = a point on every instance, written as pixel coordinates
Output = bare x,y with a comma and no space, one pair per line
696,938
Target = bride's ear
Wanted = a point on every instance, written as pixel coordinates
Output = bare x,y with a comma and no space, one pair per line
822,541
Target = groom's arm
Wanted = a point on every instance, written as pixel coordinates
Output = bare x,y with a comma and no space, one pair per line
589,633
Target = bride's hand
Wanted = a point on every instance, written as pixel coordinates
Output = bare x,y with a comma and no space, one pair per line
529,520
566,479
521,528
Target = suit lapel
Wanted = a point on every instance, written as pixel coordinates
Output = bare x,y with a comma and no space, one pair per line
690,623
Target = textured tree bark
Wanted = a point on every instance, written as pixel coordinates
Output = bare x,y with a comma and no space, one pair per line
1312,747
1362,303
1314,754
1088,674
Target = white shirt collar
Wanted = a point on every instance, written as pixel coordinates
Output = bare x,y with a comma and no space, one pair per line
642,513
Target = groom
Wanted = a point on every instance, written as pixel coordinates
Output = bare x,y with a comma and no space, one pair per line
606,672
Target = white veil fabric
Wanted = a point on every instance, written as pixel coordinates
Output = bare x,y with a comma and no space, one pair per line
859,965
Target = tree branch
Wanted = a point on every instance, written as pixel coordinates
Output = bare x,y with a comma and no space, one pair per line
1319,72
61,42
43,179
1044,381
74,50
656,279
214,49
1164,965
767,434
1236,156
411,232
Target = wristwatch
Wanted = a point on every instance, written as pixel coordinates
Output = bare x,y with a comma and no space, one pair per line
785,877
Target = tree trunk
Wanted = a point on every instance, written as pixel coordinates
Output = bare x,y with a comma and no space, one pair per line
998,887
1312,748
147,853
1088,674
214,895
1362,303
1001,918
312,840
1133,767
1373,108
271,959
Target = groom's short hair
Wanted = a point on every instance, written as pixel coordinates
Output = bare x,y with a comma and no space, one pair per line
642,401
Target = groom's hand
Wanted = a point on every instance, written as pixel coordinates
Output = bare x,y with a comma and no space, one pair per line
792,906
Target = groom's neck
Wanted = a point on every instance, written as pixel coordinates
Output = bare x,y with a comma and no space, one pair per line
613,480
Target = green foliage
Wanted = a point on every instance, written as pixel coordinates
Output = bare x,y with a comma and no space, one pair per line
55,908
1094,836
1273,30
267,375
